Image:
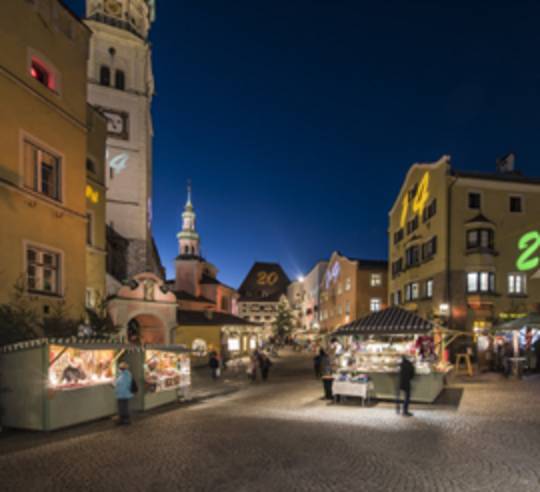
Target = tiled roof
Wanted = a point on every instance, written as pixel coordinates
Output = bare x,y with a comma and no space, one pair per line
209,318
390,321
182,295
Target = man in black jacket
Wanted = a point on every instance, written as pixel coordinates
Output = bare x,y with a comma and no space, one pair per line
406,374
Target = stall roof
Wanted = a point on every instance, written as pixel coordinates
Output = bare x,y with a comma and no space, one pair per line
532,320
391,321
180,349
78,343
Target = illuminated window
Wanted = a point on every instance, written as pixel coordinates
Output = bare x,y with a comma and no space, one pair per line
105,75
340,310
475,201
44,75
429,288
480,282
397,298
517,283
120,80
376,280
339,288
374,305
415,290
90,298
348,283
348,308
42,270
41,171
516,204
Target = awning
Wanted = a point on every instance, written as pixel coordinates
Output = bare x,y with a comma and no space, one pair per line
179,349
531,320
390,321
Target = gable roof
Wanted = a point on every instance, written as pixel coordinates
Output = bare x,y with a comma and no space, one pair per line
265,281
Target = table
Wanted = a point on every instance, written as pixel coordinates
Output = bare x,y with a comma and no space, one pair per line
348,388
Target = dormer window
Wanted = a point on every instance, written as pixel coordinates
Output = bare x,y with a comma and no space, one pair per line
44,75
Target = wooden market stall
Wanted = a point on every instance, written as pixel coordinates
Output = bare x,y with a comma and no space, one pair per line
373,347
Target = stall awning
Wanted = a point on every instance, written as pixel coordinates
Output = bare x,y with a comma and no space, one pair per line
532,320
390,321
179,349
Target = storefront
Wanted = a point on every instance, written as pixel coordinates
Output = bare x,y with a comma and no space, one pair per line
370,351
163,373
50,384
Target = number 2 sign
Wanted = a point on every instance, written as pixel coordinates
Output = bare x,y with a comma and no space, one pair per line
529,244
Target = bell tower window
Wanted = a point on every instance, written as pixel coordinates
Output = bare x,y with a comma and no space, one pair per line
105,75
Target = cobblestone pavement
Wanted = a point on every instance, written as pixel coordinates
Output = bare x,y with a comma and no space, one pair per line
280,436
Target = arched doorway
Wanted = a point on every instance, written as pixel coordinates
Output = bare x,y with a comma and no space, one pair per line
146,328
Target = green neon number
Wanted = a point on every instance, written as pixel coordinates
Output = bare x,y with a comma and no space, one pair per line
530,243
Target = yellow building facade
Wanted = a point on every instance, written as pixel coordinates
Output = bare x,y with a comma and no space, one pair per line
46,133
464,246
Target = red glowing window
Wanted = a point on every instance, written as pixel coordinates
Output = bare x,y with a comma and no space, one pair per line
42,74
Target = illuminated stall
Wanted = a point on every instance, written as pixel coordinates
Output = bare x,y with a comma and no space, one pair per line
50,384
372,351
163,373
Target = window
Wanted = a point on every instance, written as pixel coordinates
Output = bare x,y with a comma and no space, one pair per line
397,298
90,298
429,249
480,282
339,288
480,238
397,267
348,283
224,303
42,270
41,171
374,304
340,310
105,75
430,210
516,204
415,290
348,308
376,280
412,225
90,166
40,72
412,256
429,288
475,201
120,80
398,236
89,228
517,283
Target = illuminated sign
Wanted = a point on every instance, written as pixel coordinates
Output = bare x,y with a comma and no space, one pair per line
529,244
118,163
91,194
419,200
332,273
265,278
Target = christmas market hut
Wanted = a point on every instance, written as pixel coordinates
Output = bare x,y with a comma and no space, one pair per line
371,348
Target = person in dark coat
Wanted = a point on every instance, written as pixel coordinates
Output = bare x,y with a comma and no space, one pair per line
214,365
406,375
327,375
265,365
317,364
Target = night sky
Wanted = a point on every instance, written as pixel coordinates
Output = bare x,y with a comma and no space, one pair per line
297,120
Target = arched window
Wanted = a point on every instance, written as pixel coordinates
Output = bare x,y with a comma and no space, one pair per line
186,250
105,75
120,80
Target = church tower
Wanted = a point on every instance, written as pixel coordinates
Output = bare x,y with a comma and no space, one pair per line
121,85
188,238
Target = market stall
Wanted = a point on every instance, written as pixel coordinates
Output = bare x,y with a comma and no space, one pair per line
50,384
163,373
371,350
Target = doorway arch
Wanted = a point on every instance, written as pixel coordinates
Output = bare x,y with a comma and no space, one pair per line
146,328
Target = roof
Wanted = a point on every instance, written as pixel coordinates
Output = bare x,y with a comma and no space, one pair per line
513,177
182,295
265,281
391,321
209,318
366,264
479,218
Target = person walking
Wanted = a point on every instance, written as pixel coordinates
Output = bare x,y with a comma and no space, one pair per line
327,375
214,365
317,363
406,375
266,364
125,387
252,367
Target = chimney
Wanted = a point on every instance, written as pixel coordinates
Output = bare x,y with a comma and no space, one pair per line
506,164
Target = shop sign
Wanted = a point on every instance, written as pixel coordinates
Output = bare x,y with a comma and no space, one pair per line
529,259
506,316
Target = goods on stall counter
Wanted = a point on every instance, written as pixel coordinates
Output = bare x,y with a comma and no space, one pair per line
165,371
72,368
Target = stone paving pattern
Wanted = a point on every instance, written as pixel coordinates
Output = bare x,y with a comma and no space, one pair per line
281,436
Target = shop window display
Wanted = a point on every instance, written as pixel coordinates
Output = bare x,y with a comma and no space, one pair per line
72,368
166,371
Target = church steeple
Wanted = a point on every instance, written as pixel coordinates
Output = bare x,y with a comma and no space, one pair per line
188,238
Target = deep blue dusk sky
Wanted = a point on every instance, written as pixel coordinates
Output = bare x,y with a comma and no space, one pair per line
297,120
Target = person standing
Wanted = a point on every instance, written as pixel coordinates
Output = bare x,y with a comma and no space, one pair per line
317,364
124,389
214,365
266,364
252,367
327,375
406,375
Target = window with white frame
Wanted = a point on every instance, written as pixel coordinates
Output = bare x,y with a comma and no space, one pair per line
429,288
90,298
348,308
480,282
348,283
375,304
42,270
42,171
376,279
517,283
415,290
